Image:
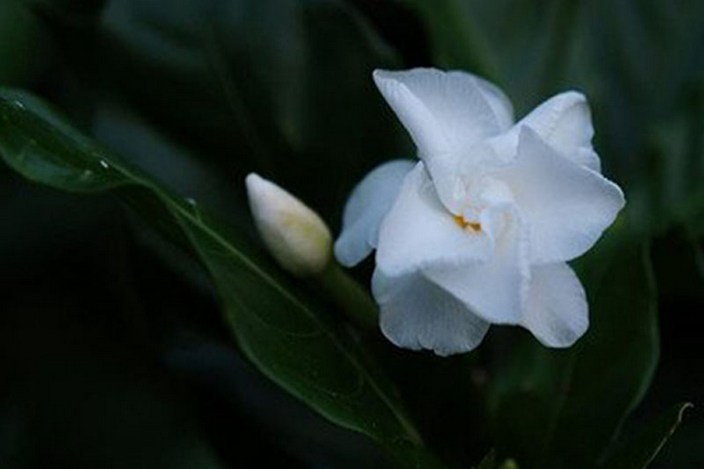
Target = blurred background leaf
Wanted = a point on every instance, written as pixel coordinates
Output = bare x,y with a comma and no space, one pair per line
249,86
198,93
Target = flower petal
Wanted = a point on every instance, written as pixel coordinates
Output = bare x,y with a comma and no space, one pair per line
565,123
369,203
495,289
446,113
588,158
419,231
499,102
566,206
416,314
556,308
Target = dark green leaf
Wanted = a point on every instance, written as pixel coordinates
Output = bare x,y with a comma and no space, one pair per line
641,450
489,39
281,329
455,39
676,168
21,43
280,87
553,408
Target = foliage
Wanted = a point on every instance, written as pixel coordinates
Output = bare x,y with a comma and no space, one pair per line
170,105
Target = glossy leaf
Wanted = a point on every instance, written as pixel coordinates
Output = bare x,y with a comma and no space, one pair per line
284,331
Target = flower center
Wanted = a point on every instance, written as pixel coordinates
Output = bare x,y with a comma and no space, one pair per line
463,223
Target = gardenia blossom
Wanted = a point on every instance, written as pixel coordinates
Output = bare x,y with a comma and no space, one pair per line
479,231
294,234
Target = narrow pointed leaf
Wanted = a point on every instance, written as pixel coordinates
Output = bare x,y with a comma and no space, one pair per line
283,330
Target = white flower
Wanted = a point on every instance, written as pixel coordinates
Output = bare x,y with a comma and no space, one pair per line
294,234
479,230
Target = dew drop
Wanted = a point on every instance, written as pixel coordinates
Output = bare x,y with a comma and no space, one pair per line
104,164
194,205
18,105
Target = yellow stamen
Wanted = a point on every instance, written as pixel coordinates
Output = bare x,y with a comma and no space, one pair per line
464,224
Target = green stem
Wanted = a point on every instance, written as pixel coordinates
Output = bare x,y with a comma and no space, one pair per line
345,292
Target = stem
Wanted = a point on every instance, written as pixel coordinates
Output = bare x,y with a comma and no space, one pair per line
345,292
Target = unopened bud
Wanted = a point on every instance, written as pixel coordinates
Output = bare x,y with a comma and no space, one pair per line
294,234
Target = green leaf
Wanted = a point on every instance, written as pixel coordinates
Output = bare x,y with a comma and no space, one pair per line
641,450
560,408
455,37
18,35
283,330
675,196
489,38
281,87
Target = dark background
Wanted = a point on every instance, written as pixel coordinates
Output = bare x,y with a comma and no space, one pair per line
112,352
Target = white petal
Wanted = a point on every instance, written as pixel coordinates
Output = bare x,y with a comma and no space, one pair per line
416,314
556,309
496,288
566,206
448,115
419,231
499,102
564,122
588,158
445,112
369,203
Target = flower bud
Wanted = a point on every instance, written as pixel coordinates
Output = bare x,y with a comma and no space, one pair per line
294,234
